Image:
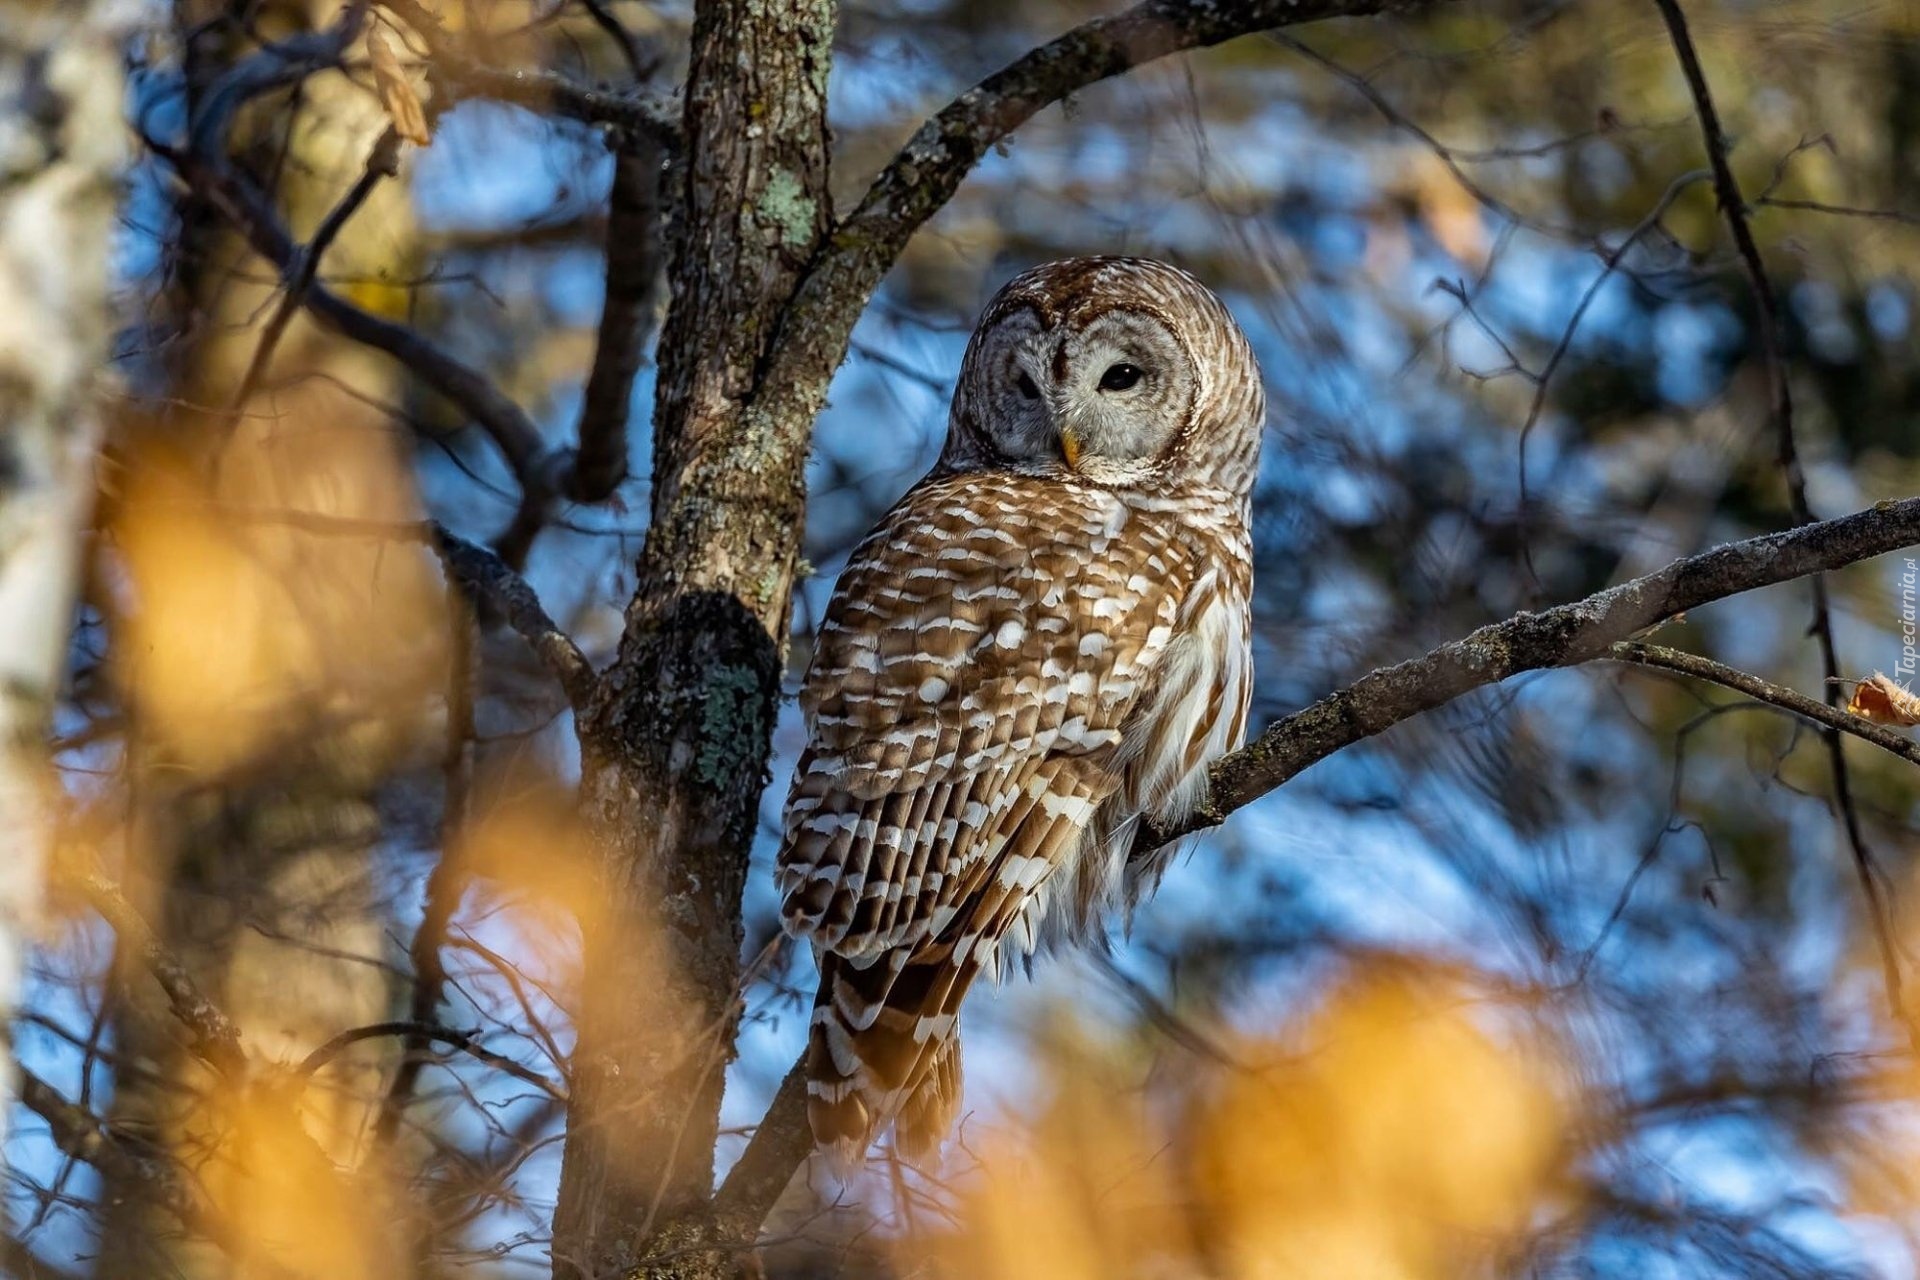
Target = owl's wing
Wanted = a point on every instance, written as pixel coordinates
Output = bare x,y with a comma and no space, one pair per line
968,711
972,681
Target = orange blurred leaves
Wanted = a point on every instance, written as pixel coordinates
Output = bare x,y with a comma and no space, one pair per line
530,845
293,1211
267,615
1406,1142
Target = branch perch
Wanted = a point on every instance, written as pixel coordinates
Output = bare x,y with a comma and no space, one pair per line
1562,636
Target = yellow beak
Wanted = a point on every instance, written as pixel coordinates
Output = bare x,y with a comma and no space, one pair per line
1069,447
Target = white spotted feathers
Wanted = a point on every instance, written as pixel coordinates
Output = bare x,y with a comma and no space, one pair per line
1045,640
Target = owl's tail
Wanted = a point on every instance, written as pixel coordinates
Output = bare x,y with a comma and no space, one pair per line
884,1048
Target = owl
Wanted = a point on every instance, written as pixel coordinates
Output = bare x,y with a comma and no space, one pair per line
1042,644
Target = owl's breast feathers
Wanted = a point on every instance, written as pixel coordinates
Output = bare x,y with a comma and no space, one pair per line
1011,672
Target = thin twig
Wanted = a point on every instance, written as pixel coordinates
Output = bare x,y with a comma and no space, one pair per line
448,879
1609,262
1873,883
1820,713
1840,210
249,210
467,1042
382,162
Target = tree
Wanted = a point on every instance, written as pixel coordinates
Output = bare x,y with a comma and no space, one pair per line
263,726
59,202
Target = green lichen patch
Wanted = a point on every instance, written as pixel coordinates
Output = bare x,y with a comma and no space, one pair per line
788,209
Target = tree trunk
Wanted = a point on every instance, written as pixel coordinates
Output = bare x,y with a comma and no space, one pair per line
254,864
675,753
60,82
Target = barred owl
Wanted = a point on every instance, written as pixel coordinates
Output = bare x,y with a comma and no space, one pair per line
1044,642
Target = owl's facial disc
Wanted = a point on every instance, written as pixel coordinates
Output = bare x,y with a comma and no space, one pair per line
1101,398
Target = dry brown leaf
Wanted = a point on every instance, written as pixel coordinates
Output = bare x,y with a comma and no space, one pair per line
1879,699
396,92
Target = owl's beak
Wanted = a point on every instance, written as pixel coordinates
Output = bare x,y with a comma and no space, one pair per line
1069,447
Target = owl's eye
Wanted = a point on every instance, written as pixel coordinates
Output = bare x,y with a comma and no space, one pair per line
1120,376
1027,388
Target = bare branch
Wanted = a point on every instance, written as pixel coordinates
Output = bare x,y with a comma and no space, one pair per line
270,67
466,1042
1562,636
929,169
447,881
214,1038
80,1133
1840,210
780,1144
382,162
486,576
640,62
248,209
592,472
481,575
1690,664
633,240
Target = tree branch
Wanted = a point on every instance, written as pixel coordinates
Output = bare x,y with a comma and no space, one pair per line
633,241
272,66
484,575
1562,636
780,1144
80,1133
1662,658
467,1042
446,883
593,470
929,169
248,209
382,162
214,1038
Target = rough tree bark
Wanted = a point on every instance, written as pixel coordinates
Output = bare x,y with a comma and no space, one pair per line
674,752
60,75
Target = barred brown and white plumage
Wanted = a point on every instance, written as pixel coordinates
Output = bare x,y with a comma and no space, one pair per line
1045,640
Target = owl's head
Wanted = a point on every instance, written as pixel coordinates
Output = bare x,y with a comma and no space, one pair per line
1122,372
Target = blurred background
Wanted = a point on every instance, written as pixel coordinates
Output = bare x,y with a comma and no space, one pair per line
1572,978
